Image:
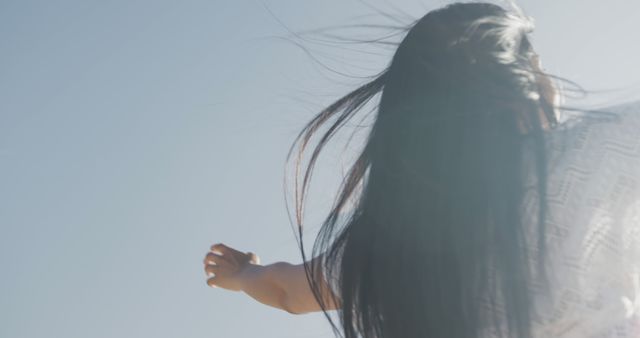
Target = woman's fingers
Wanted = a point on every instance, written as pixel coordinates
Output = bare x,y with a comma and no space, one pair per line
212,282
222,248
223,264
232,254
210,269
214,258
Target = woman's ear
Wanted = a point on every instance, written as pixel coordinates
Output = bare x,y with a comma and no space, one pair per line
547,89
548,93
547,113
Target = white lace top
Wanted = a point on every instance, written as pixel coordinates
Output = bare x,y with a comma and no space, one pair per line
593,229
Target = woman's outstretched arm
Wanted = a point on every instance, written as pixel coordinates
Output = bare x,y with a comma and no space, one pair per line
281,284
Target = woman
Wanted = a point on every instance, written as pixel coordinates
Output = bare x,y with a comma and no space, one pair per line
453,232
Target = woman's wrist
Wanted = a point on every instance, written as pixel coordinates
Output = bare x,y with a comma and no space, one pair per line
250,274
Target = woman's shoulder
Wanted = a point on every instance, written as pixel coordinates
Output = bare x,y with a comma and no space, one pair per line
594,207
594,132
609,116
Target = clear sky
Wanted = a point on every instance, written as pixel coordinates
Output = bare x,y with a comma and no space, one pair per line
135,134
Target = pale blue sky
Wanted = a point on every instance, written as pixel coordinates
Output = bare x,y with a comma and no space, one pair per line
134,134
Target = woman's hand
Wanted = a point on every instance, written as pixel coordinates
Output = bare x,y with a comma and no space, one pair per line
226,265
281,285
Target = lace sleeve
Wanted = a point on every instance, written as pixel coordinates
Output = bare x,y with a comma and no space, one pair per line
593,228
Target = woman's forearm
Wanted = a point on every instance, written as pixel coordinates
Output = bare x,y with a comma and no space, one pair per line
261,283
281,285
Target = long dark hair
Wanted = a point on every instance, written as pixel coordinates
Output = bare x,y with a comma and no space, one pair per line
435,241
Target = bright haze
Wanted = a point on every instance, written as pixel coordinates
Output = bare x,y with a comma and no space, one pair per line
135,134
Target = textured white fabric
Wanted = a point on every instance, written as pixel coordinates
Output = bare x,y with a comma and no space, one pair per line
593,228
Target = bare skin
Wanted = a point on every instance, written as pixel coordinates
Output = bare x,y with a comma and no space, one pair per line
283,285
547,90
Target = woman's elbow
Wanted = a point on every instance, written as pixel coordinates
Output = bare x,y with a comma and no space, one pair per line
290,308
294,312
